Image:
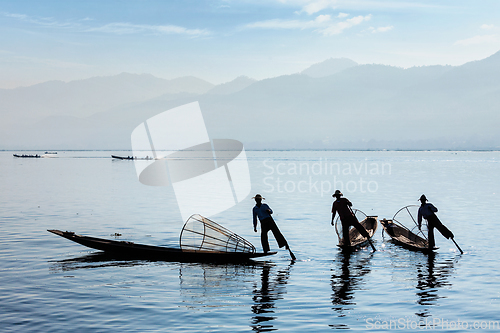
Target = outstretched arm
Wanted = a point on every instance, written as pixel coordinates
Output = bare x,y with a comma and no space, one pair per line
334,211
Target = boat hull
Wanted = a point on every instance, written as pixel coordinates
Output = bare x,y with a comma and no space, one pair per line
357,240
404,237
131,250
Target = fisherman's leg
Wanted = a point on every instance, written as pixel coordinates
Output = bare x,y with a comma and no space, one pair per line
264,241
278,236
430,236
345,234
363,232
360,228
264,229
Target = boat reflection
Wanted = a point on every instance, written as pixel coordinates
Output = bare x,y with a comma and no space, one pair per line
272,288
93,260
431,276
347,277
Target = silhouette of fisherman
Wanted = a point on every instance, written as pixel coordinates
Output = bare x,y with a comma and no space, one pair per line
348,219
427,211
263,212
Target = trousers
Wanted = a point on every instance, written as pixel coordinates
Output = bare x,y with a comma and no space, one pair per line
434,222
266,225
355,223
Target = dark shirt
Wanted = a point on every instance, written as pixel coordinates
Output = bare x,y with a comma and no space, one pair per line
264,211
425,211
341,205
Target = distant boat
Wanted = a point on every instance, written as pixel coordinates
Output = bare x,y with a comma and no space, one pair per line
122,157
131,157
26,156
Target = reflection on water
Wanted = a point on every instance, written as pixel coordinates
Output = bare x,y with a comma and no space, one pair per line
431,275
347,277
272,288
214,285
94,260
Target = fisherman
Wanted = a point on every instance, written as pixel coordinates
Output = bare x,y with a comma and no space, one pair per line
347,217
427,211
263,212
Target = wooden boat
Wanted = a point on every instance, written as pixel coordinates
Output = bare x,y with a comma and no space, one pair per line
201,240
357,240
26,156
122,157
130,250
402,236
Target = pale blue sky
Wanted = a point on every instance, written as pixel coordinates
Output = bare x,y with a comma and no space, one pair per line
220,40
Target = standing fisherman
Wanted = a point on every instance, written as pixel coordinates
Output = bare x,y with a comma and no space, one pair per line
347,217
263,212
427,211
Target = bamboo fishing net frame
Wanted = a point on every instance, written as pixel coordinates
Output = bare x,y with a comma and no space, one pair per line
200,234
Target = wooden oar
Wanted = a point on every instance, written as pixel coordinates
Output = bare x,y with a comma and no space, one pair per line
458,247
293,256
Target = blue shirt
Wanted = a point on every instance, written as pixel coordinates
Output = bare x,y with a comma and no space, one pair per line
263,212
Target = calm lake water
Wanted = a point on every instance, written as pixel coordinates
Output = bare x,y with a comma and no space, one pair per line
49,284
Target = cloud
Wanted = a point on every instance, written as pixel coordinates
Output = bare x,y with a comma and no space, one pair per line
314,6
342,15
118,28
322,24
43,21
55,63
380,29
488,26
339,27
480,39
318,5
128,28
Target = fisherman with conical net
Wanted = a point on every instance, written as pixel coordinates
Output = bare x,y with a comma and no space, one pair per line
348,219
263,212
427,211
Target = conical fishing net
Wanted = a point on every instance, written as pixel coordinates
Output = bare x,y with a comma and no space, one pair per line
201,234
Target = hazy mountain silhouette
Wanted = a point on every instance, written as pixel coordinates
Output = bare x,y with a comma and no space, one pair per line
329,67
358,107
86,97
237,84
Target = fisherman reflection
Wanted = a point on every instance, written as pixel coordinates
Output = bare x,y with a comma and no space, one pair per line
346,279
430,277
271,290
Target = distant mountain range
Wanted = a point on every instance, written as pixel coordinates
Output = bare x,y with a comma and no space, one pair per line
336,104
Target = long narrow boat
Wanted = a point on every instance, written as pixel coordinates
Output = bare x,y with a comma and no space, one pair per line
26,156
402,236
130,250
357,240
122,157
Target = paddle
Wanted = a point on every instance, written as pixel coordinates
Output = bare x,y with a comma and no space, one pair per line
458,247
291,254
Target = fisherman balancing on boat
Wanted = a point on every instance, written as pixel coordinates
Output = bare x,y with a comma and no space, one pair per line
348,219
427,211
263,212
